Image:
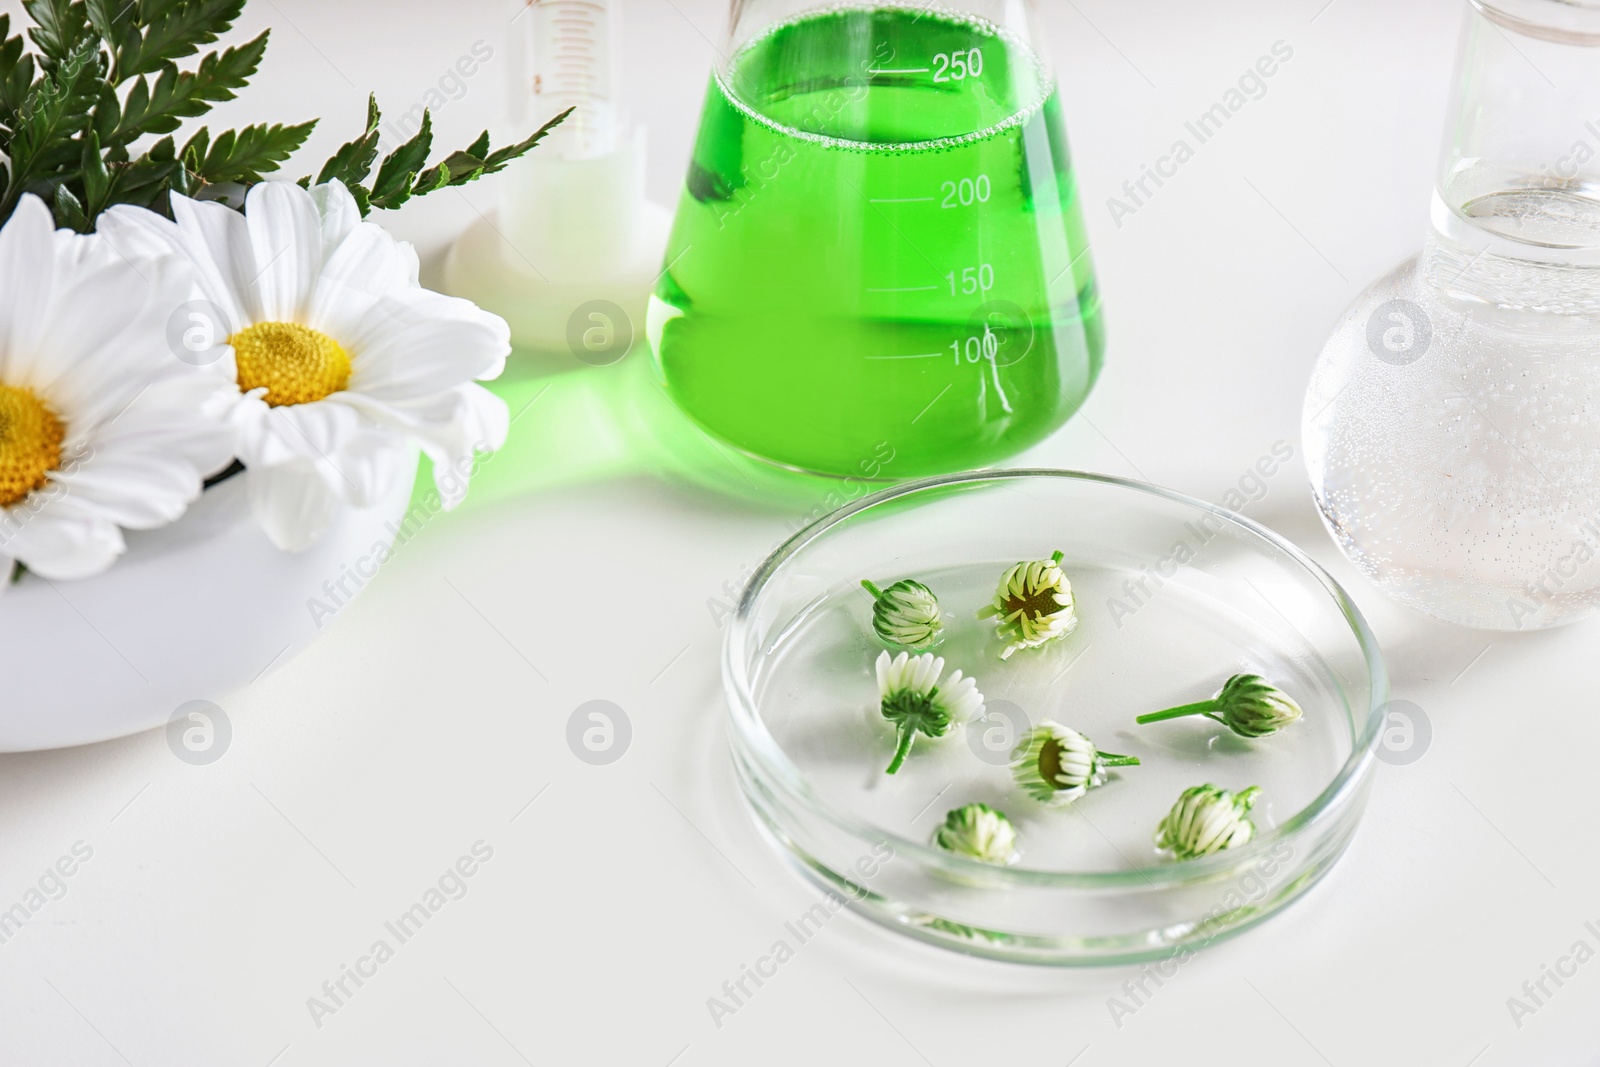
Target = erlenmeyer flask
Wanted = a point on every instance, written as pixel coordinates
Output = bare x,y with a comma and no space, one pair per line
879,267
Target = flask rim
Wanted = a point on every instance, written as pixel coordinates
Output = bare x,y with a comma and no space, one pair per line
1575,22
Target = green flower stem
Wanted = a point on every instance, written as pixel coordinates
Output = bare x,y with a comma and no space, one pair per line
1111,759
1247,704
1057,556
1201,707
908,734
877,594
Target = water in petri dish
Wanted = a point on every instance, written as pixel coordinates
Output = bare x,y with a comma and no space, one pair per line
818,698
880,250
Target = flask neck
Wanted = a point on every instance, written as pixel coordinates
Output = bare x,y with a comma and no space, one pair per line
1517,200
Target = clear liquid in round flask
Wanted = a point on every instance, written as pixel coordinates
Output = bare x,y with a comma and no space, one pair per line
1452,424
879,265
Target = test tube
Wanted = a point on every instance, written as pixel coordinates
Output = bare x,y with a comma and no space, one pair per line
567,52
575,200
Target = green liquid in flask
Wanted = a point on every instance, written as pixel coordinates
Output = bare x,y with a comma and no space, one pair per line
879,266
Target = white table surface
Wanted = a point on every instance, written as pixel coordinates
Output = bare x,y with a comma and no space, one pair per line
219,898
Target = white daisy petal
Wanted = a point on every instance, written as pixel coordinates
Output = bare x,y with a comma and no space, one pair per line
414,355
357,459
414,272
451,429
64,548
216,241
255,443
371,463
25,280
315,429
286,236
365,268
135,233
142,467
85,351
181,413
293,503
339,210
136,489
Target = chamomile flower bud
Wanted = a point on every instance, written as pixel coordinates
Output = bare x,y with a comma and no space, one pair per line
906,615
1057,764
1247,704
1033,604
912,696
1205,820
978,832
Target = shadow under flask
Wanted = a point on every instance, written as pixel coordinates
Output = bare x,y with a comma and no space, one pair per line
879,266
1452,425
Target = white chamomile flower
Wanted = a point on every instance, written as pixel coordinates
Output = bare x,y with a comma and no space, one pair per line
1205,820
912,697
1247,704
1057,765
101,428
906,614
1033,604
978,832
340,359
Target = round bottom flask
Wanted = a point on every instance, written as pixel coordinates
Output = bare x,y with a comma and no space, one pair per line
1452,425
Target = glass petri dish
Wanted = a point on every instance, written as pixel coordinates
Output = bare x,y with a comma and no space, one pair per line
1173,596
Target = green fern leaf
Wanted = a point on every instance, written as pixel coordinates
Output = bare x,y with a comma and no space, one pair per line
168,30
392,187
50,117
353,161
68,209
60,27
94,176
177,95
16,73
111,18
459,168
363,198
143,182
247,155
498,160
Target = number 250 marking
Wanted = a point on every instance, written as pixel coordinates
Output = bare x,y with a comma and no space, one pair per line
958,66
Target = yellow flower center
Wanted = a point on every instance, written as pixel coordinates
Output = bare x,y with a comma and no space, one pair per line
1050,762
296,363
30,444
1034,603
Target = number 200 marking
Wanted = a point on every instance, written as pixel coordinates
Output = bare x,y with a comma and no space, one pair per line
958,66
967,192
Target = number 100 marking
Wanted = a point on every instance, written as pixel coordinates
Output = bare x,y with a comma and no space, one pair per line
977,348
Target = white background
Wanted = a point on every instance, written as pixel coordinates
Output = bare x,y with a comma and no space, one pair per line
219,898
